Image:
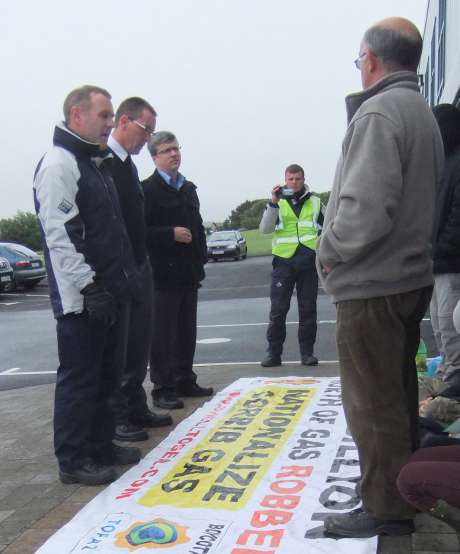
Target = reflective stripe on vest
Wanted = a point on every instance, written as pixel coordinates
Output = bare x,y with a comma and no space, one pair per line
292,230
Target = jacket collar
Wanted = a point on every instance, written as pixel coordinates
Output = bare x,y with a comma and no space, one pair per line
399,79
79,147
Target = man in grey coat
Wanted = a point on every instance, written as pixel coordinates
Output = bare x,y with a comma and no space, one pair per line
374,258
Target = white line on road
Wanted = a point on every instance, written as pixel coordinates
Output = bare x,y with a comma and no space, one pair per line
258,363
26,294
324,321
9,371
28,373
9,303
254,324
207,364
235,288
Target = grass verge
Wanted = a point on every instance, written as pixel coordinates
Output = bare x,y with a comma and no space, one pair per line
258,244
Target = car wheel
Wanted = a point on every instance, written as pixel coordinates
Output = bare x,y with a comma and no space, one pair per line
31,284
12,286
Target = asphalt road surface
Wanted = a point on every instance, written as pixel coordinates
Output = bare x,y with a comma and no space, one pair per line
232,320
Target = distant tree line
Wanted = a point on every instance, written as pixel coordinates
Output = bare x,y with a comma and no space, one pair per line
248,214
21,228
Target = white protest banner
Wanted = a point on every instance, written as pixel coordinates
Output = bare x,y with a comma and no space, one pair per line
254,470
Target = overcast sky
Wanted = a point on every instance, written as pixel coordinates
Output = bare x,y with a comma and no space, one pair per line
248,86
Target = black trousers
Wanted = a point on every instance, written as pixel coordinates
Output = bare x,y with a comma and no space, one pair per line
83,420
174,337
284,278
133,351
377,340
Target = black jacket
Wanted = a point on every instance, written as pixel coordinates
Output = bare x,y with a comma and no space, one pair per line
132,204
446,239
174,264
83,233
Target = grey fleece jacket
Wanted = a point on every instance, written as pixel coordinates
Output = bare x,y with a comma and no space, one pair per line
377,230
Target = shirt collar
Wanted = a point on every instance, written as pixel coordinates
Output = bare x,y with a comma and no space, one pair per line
166,177
117,148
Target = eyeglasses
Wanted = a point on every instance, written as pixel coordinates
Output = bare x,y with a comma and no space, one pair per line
169,150
357,62
148,130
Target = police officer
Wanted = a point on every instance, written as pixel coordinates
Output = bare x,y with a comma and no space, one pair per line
295,215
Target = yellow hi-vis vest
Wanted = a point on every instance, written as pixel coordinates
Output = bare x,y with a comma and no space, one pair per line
292,230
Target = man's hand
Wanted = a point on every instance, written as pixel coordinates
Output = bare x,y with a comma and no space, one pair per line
182,234
275,194
99,303
423,406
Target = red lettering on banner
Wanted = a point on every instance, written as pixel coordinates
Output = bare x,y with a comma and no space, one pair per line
262,518
250,551
288,501
284,500
282,487
135,486
295,471
150,473
275,537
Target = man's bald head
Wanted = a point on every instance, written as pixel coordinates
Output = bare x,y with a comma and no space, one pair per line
396,42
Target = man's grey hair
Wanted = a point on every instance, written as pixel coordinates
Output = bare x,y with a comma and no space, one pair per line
398,51
159,138
82,97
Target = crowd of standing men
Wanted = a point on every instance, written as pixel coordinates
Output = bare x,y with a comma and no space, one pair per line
102,229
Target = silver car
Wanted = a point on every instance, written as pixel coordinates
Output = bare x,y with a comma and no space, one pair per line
28,267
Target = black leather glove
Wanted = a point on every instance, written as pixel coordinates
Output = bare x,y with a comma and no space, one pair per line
99,303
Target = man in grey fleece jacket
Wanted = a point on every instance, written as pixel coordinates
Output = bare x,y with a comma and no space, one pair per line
374,259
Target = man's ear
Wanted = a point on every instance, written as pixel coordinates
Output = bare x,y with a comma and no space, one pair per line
75,114
373,61
123,121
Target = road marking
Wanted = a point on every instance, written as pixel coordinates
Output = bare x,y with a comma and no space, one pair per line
9,371
9,303
215,340
322,322
207,364
235,288
258,363
25,294
28,373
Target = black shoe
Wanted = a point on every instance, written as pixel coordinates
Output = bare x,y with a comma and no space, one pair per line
193,390
119,455
359,524
309,360
151,419
89,474
130,433
271,361
167,399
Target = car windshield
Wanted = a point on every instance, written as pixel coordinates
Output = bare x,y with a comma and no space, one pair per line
224,235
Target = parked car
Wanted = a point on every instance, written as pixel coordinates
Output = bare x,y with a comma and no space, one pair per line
6,275
227,244
28,268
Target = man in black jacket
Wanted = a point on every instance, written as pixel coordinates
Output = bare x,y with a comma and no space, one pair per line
134,124
176,243
91,271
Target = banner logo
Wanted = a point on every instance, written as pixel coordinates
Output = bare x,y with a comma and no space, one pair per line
158,533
